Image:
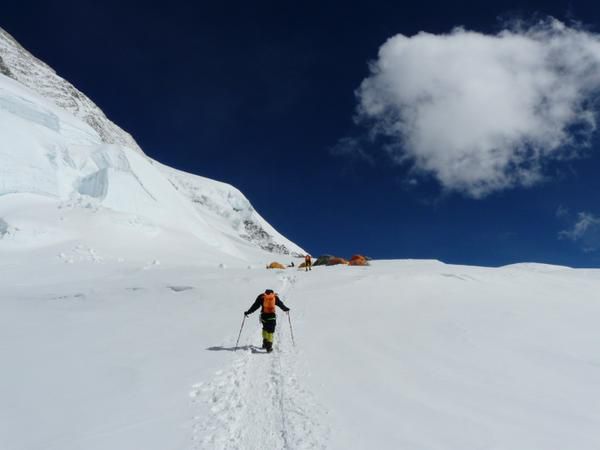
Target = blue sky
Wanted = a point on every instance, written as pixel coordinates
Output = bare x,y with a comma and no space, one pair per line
444,152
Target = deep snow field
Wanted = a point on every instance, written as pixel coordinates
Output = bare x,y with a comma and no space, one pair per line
126,355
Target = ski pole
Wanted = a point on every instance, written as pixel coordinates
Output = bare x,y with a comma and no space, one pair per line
239,335
291,329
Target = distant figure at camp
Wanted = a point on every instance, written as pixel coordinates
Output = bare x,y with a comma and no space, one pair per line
267,303
307,263
292,264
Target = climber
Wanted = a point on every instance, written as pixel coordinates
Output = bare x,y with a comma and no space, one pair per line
267,303
307,262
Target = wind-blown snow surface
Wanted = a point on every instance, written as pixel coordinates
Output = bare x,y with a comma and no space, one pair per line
399,355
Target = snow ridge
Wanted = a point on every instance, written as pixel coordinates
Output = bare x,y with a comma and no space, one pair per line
20,65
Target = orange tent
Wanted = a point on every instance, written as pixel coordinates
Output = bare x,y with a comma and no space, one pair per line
358,260
335,261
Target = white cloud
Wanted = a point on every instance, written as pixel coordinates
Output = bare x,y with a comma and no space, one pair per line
480,112
585,231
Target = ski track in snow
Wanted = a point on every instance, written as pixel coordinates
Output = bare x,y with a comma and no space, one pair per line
260,401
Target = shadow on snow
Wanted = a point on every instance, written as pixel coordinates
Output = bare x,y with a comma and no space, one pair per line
252,348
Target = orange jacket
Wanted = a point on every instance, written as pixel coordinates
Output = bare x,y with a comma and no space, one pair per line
260,303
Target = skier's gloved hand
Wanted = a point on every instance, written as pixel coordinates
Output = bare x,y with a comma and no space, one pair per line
246,314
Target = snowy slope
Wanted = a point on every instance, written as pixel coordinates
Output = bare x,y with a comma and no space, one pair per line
58,145
402,354
20,65
226,208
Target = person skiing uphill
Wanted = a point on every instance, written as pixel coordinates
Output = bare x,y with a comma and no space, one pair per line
307,263
267,303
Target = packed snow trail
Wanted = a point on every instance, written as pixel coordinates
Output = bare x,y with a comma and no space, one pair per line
260,401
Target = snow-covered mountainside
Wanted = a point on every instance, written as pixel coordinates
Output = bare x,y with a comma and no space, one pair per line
20,65
60,154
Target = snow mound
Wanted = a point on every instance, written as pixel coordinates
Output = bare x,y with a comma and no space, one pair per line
536,267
